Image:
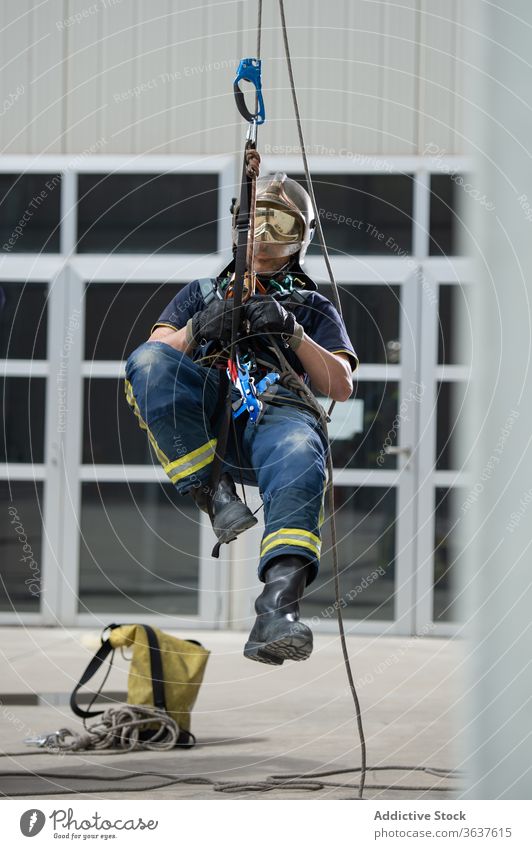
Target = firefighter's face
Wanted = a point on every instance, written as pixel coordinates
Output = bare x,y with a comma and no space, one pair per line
266,264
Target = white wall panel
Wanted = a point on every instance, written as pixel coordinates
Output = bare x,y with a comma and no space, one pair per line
47,91
187,120
131,76
119,48
16,61
154,87
218,67
437,74
399,94
83,79
364,77
329,47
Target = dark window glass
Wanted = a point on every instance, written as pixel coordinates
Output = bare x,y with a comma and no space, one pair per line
29,212
22,439
450,447
139,550
119,316
371,315
445,212
20,546
23,321
361,427
446,555
111,433
148,213
455,320
365,520
365,213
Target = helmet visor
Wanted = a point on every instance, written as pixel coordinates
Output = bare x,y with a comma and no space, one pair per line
273,224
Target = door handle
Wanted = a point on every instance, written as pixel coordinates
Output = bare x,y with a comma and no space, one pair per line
396,451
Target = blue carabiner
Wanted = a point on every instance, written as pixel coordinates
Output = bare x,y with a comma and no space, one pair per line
250,70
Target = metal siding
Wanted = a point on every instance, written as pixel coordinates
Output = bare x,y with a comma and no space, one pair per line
399,113
364,78
218,67
328,46
47,93
300,21
355,65
436,83
155,88
83,81
188,122
16,45
119,46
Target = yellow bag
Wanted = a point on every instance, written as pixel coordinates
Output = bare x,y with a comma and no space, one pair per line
165,672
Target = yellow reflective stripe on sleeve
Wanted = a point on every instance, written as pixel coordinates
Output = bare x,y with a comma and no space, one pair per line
130,398
289,541
297,531
163,324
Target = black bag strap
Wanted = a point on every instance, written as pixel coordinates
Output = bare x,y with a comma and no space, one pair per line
156,668
156,663
105,649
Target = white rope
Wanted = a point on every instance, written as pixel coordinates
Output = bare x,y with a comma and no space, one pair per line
119,728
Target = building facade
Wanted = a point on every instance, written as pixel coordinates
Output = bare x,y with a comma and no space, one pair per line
121,151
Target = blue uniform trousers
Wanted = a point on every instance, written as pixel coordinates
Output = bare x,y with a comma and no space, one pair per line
177,401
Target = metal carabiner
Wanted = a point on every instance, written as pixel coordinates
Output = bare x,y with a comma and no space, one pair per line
249,70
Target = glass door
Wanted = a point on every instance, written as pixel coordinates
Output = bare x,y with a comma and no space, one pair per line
374,446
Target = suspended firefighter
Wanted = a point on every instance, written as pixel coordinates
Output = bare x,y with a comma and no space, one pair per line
174,383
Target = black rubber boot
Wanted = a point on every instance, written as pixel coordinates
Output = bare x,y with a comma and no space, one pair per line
277,634
230,516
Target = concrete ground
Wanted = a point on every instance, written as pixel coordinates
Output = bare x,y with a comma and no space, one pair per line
251,720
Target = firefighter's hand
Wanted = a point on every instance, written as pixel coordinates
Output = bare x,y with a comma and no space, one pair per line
212,323
252,163
266,315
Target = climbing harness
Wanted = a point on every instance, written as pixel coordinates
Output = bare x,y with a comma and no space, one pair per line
238,372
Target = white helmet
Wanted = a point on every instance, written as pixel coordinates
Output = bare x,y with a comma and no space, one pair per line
284,218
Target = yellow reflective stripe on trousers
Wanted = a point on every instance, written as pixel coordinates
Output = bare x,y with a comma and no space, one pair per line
297,541
191,462
298,531
291,536
130,398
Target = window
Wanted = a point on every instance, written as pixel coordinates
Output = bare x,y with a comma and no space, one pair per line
365,213
371,316
20,531
365,522
29,212
23,321
445,212
23,400
139,550
119,316
147,213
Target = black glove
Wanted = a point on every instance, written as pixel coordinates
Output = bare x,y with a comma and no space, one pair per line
212,323
266,315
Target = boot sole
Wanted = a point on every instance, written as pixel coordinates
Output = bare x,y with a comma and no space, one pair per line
238,527
295,647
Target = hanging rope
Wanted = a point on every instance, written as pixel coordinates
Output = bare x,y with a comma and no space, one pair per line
303,390
308,177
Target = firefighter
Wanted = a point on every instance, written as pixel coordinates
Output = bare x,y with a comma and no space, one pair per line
175,388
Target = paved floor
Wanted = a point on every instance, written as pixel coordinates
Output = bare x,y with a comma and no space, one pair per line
251,720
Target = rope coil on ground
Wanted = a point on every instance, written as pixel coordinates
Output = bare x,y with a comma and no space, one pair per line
120,728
